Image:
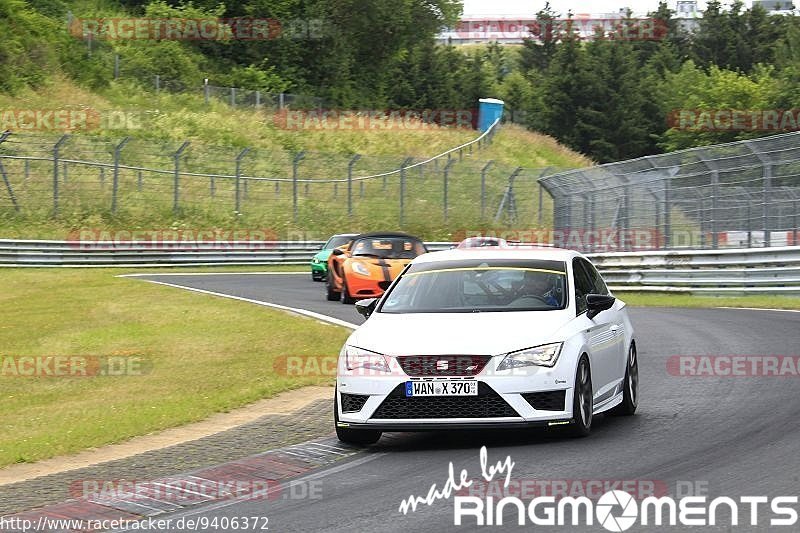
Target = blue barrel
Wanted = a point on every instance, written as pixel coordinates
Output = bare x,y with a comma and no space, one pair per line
489,110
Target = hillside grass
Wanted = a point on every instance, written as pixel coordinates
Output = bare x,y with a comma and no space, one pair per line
218,133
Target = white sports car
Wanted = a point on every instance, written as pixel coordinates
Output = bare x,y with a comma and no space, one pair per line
485,338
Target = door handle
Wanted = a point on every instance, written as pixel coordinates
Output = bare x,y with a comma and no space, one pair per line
615,328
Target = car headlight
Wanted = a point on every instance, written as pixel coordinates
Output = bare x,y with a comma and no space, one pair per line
358,358
544,355
359,268
315,261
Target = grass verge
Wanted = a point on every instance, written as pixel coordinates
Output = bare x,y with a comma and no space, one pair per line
202,355
643,299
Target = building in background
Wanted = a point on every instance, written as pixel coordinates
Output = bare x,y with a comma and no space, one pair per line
688,15
776,7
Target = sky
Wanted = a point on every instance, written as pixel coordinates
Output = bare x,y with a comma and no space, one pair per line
530,7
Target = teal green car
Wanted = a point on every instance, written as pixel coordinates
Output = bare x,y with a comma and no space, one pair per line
319,263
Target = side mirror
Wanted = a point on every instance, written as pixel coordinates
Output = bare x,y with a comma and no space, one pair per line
598,303
366,307
338,251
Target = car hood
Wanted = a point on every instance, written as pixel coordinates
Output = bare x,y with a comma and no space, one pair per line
458,333
323,255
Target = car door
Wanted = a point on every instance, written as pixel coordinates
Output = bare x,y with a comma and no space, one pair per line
615,317
601,332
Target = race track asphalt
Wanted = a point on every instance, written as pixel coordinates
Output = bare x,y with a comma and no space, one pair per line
735,436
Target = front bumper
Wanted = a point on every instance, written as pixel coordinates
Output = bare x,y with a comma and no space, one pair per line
507,393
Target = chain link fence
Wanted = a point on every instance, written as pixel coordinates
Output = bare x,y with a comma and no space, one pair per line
735,195
54,176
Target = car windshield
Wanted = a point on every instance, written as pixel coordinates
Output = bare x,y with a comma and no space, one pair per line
388,248
479,286
336,241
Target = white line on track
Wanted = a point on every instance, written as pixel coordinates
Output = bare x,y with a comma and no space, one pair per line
304,312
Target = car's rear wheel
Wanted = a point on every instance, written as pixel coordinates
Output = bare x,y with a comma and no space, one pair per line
630,392
332,294
357,437
345,297
582,400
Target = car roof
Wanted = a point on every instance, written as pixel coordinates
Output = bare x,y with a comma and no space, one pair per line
343,235
491,252
386,234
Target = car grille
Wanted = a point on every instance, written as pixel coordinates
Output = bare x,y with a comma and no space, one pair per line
546,401
487,404
353,403
443,365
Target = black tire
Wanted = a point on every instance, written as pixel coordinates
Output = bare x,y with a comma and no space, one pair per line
345,297
331,294
356,437
582,400
630,392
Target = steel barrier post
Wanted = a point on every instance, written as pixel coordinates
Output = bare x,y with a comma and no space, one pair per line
295,164
484,170
115,183
237,185
56,154
176,158
350,165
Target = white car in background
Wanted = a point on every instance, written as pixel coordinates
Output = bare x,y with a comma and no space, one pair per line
487,338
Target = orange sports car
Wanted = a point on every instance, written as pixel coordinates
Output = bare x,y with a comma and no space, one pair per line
366,266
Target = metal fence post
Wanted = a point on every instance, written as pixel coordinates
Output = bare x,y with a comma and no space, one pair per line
205,91
295,164
56,153
484,170
239,179
767,186
116,66
115,183
350,165
139,181
446,176
714,208
667,213
233,96
407,161
176,157
11,195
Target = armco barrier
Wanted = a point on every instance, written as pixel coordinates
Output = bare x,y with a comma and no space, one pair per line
754,270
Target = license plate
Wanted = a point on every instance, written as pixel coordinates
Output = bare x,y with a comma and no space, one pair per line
441,388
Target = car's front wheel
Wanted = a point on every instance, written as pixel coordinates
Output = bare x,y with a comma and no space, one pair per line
357,437
331,294
582,400
630,392
345,294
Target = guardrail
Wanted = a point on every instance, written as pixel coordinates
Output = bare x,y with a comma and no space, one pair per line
754,270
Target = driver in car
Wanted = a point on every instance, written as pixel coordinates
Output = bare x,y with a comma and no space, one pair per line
541,286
